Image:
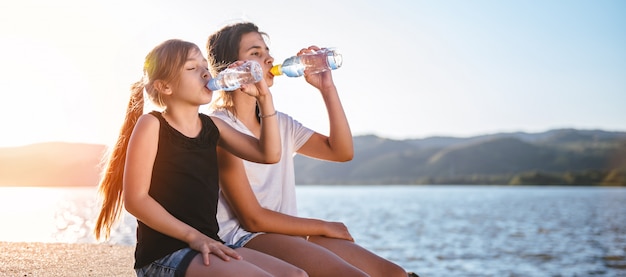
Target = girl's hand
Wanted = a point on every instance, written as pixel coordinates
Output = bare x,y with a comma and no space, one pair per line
258,89
337,230
206,246
320,80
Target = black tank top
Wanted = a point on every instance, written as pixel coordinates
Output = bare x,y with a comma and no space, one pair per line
185,183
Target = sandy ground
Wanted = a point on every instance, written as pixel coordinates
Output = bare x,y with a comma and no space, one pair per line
63,259
21,259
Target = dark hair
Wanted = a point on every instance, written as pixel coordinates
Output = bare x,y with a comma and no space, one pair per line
223,49
223,46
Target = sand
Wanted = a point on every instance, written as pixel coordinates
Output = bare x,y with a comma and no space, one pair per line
64,259
21,259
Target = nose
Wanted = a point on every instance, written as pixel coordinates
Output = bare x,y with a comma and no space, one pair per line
269,60
206,75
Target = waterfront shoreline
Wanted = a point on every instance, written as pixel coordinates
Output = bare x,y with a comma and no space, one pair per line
65,259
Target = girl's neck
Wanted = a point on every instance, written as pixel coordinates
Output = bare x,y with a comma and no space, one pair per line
187,122
246,112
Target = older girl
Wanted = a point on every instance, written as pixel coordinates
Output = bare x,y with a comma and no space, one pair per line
257,207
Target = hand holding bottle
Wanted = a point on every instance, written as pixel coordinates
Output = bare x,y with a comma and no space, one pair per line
310,61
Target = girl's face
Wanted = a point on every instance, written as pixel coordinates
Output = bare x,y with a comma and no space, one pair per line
193,79
252,47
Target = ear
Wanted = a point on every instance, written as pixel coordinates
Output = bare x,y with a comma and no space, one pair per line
163,87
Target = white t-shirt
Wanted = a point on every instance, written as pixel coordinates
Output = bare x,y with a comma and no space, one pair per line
273,184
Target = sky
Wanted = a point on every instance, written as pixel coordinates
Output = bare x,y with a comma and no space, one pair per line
412,68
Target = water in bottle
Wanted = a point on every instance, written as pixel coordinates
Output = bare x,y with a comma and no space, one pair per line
231,79
314,62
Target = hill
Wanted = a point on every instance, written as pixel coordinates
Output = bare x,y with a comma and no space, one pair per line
51,164
556,157
564,156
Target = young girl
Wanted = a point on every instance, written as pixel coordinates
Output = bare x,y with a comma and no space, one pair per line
164,165
257,207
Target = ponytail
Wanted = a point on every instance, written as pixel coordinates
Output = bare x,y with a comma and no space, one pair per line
163,63
111,184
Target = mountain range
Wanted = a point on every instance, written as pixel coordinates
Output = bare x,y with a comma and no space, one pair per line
51,164
555,157
558,157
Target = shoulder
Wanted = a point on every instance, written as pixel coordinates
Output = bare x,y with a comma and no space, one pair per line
224,115
288,122
145,135
283,115
147,122
209,124
149,118
217,121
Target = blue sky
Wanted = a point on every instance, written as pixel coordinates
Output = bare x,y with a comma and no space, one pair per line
412,69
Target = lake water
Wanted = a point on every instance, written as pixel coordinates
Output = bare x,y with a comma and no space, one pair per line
432,230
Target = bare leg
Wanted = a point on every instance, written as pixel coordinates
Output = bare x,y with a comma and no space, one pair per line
316,260
253,264
273,265
219,267
360,257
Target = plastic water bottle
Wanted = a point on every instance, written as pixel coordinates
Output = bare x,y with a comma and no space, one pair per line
231,79
315,62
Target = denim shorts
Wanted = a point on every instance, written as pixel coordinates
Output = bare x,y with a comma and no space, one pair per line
245,239
174,264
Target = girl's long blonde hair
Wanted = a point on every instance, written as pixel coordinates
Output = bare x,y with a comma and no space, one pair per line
163,63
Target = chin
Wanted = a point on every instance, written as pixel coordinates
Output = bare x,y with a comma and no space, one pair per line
209,95
269,81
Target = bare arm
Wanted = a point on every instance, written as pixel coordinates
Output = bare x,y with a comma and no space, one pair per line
253,217
338,145
140,158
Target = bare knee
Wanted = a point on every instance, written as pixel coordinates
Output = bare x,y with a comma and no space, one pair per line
351,272
392,270
295,272
254,273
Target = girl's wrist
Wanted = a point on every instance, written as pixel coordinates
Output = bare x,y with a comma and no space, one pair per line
267,115
263,97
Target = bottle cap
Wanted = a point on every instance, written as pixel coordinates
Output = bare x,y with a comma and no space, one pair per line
276,70
213,85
